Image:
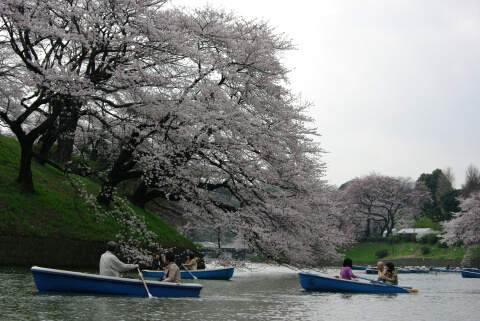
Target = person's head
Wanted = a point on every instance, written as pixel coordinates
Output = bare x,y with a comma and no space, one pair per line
190,256
390,267
347,262
112,246
157,256
168,257
380,266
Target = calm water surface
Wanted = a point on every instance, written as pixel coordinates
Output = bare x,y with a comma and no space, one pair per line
263,293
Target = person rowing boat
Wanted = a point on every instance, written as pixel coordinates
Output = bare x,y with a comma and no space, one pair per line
110,265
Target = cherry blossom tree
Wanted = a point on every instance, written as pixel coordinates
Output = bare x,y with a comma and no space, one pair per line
384,199
61,57
192,104
465,225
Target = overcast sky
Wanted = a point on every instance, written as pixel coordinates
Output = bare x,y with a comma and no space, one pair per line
395,84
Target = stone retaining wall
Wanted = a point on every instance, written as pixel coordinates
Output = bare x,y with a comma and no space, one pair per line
29,251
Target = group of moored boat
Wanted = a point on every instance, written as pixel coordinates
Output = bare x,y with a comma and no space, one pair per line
53,280
467,273
414,269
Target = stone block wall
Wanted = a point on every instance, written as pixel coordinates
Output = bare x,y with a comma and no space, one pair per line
60,253
29,251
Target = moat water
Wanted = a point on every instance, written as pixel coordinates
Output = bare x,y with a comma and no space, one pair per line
262,292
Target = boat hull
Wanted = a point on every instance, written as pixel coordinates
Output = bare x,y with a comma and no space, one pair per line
419,271
211,274
359,267
446,270
470,274
315,282
52,280
371,271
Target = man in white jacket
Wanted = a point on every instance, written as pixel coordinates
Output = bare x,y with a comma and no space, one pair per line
110,265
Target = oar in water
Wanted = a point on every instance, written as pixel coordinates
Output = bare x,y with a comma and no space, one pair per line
395,286
145,284
189,272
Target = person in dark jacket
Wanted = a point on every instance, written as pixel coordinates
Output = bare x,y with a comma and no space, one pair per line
156,262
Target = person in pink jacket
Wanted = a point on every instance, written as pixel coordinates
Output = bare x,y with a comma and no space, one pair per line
346,271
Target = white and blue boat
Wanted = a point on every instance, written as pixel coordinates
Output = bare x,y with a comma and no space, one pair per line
417,269
52,280
447,270
211,274
315,282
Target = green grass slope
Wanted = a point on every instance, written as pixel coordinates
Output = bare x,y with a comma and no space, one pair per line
55,211
365,251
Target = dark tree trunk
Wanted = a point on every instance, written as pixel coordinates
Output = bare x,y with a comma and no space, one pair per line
367,229
138,197
25,177
68,121
48,140
94,153
64,148
121,170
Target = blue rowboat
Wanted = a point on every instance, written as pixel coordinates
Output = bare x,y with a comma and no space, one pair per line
404,270
315,282
371,271
355,267
66,281
212,274
470,274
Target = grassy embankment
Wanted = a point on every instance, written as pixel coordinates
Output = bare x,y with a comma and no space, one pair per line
365,251
55,212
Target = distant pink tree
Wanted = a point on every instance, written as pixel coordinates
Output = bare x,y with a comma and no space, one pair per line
383,199
465,225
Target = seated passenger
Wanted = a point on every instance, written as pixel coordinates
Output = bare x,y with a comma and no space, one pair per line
346,271
191,263
172,272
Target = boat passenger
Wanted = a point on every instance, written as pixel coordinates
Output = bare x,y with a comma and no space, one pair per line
172,272
110,265
381,270
156,262
346,271
391,276
191,263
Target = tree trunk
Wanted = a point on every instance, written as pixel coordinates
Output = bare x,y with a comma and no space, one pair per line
138,197
68,121
367,230
25,177
65,148
48,140
105,195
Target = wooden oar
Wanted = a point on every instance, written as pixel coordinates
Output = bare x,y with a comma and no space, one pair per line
395,286
145,284
189,272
